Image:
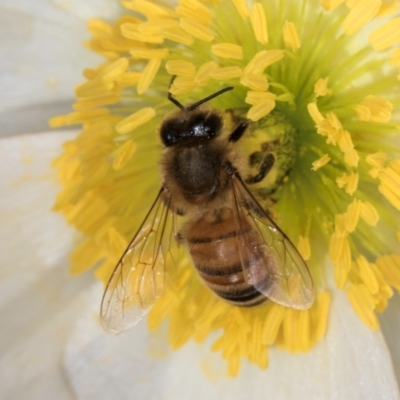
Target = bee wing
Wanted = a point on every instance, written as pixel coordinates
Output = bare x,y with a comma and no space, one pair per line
270,261
138,278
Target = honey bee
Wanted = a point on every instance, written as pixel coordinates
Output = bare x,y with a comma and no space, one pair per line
238,250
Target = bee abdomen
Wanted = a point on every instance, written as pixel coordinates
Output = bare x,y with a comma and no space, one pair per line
214,247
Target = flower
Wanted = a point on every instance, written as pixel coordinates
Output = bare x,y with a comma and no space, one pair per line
320,80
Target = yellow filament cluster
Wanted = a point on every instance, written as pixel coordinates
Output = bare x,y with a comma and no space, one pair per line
124,97
246,333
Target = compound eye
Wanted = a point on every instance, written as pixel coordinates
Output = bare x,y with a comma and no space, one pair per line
213,124
169,133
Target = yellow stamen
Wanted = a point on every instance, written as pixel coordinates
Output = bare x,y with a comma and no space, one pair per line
367,274
363,304
340,254
320,162
314,113
368,213
395,57
148,75
303,246
330,4
387,9
374,108
115,69
320,317
128,79
197,29
361,12
349,182
255,97
182,85
92,102
149,53
262,60
390,183
178,35
389,266
124,154
376,160
386,35
195,10
352,215
290,36
272,323
225,73
321,87
84,256
228,50
242,8
180,68
94,88
131,31
261,109
149,9
259,23
204,72
135,120
255,82
78,117
340,225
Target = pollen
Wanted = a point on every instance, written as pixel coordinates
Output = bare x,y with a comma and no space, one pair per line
375,109
242,8
203,74
290,36
331,4
361,12
389,266
225,73
304,247
262,60
369,213
228,50
349,182
386,35
197,29
135,120
395,57
259,23
180,68
316,116
316,165
149,53
195,10
321,87
390,183
261,108
148,75
124,154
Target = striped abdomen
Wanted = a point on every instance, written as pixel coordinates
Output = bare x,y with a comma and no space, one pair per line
213,242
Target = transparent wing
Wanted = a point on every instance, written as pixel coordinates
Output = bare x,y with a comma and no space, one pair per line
138,278
271,263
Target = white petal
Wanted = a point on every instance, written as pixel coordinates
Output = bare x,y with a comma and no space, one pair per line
42,58
352,362
390,321
39,301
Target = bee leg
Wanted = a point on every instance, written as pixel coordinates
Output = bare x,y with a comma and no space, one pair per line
266,166
238,132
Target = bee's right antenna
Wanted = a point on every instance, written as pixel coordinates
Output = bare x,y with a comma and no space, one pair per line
200,102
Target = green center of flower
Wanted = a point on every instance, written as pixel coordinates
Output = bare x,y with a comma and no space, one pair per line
319,98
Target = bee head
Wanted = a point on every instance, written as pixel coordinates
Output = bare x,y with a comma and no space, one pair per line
192,123
191,127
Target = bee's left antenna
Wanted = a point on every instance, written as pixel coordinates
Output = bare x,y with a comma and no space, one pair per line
170,98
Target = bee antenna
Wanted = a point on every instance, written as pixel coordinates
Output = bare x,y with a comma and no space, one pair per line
200,102
208,98
170,98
